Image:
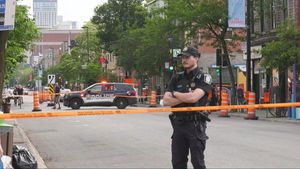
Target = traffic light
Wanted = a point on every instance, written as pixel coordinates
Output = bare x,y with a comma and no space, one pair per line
218,71
171,68
73,44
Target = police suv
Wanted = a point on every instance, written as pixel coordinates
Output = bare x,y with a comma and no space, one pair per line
102,94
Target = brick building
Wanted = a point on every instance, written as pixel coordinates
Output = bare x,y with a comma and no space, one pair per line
52,44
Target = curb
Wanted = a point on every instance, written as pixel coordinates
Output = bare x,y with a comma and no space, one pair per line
30,146
278,120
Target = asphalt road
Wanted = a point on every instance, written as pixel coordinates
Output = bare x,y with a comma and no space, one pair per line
143,141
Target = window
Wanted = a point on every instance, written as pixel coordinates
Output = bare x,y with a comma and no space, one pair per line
95,89
108,87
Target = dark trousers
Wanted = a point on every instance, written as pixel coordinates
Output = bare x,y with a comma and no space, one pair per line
188,136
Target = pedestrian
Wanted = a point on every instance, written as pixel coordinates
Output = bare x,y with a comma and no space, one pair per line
214,98
1,149
145,93
56,96
158,93
189,88
240,95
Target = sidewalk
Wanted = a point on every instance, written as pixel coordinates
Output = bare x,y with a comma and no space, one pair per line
20,138
262,115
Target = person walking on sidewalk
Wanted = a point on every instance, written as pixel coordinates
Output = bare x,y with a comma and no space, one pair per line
1,149
189,88
56,96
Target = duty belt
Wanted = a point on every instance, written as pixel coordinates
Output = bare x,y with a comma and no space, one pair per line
199,116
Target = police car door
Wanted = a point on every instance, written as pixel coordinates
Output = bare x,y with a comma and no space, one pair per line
93,94
108,91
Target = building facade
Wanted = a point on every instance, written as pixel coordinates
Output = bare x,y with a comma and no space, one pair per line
267,18
51,45
45,13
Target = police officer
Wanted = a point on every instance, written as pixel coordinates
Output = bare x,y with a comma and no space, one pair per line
188,89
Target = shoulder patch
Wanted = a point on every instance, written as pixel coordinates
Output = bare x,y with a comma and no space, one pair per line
207,79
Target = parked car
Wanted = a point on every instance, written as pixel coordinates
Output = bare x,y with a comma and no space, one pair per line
25,91
63,91
102,94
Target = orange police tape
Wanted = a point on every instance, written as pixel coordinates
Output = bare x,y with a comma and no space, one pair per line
140,111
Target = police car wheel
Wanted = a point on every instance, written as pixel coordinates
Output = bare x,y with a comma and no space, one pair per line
75,104
121,103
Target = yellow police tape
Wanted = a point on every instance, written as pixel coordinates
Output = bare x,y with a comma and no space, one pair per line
139,111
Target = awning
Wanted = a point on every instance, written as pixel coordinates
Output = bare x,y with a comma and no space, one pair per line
243,68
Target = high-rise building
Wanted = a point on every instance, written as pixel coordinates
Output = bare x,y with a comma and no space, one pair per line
45,13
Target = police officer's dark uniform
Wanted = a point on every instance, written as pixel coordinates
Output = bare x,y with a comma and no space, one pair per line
189,127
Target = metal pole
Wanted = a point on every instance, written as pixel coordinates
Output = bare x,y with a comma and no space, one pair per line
88,47
69,43
220,77
294,89
249,88
52,56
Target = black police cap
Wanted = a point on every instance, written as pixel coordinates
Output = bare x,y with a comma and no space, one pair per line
189,51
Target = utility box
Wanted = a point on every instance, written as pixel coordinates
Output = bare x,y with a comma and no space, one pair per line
298,113
6,136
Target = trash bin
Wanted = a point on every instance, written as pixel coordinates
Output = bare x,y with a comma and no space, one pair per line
6,107
6,136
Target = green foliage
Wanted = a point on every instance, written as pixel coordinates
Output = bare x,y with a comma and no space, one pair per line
153,49
116,17
24,72
142,44
283,52
82,64
19,40
192,15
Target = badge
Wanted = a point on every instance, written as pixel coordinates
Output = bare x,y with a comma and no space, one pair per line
207,79
193,84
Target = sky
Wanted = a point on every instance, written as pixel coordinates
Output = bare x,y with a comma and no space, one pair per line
74,10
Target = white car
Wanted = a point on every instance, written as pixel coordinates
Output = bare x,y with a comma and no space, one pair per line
63,91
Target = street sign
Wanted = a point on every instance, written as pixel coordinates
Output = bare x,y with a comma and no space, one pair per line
51,79
167,65
51,89
176,52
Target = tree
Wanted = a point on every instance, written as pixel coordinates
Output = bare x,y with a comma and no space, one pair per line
210,17
82,64
283,52
19,40
116,17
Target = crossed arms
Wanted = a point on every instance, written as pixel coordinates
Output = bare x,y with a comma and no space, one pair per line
175,98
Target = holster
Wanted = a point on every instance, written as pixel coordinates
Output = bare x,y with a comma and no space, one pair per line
204,115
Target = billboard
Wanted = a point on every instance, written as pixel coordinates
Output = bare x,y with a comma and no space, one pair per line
7,14
236,13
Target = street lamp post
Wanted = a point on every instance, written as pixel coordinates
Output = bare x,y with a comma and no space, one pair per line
249,87
170,39
87,43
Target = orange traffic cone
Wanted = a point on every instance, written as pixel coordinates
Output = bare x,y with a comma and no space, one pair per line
224,112
251,111
153,99
36,102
